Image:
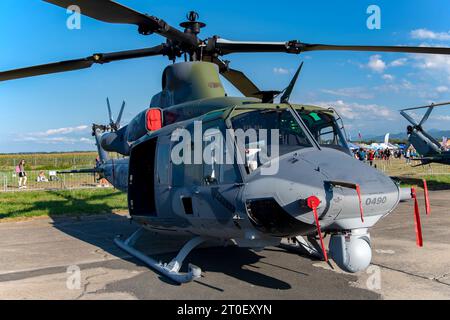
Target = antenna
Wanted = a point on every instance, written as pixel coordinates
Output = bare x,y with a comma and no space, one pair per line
288,91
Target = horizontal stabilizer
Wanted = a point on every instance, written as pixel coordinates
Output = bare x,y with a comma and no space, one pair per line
93,170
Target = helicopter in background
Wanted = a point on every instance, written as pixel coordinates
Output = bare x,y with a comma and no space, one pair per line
430,150
318,186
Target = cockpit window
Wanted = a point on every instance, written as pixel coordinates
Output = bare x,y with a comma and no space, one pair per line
267,130
325,129
291,136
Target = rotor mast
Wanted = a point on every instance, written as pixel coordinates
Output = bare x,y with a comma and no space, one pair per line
193,27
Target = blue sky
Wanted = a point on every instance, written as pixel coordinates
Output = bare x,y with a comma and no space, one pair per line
54,112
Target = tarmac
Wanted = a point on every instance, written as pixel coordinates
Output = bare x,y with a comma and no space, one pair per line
68,258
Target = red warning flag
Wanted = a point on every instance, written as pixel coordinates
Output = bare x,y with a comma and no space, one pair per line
427,198
313,202
419,239
361,210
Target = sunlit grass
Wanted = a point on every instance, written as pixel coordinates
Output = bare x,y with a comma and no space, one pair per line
61,203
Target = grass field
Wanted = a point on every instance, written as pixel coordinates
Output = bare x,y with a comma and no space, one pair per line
61,203
48,161
437,175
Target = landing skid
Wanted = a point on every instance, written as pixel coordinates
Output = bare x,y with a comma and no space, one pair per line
171,269
300,245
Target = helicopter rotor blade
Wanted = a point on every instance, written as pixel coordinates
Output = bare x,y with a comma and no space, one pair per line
119,117
426,116
224,47
84,63
242,83
409,118
57,67
113,12
401,49
238,79
109,111
431,105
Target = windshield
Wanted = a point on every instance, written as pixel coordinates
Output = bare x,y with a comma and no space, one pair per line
272,129
325,129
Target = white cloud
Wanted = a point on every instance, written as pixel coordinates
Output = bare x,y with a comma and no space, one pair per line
280,71
388,77
68,130
403,85
437,65
434,63
376,64
399,62
86,140
67,135
357,111
52,140
441,118
442,89
425,34
355,92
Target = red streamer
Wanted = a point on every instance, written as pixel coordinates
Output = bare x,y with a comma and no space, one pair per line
313,202
361,210
427,198
419,239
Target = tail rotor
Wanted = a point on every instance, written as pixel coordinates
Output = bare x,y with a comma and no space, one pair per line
114,125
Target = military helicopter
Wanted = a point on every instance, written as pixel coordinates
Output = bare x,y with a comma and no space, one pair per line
430,150
317,187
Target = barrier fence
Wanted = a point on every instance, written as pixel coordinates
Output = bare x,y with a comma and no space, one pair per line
9,181
51,181
399,167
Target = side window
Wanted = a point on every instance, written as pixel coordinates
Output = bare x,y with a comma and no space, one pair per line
212,155
215,166
327,136
185,174
163,163
178,174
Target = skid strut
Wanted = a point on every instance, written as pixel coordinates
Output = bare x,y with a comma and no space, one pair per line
299,244
171,269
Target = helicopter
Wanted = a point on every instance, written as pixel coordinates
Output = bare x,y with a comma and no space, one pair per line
309,185
430,150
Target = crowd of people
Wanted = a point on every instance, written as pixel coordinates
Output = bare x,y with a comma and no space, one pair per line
22,175
370,155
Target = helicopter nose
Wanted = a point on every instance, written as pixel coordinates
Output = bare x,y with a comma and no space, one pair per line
278,205
364,193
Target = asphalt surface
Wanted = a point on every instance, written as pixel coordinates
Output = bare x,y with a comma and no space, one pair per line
38,258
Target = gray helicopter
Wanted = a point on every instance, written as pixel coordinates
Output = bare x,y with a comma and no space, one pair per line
430,150
310,185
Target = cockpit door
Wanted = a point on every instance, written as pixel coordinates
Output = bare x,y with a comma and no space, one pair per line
215,196
163,176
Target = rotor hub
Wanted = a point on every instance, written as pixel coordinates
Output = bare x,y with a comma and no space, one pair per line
192,25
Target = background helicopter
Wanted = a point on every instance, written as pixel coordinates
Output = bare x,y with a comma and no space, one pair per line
430,150
319,187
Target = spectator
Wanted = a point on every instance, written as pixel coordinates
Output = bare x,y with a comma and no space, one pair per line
388,155
101,179
20,169
41,177
371,157
408,156
362,155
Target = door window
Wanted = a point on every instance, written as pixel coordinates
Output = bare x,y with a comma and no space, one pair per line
163,162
